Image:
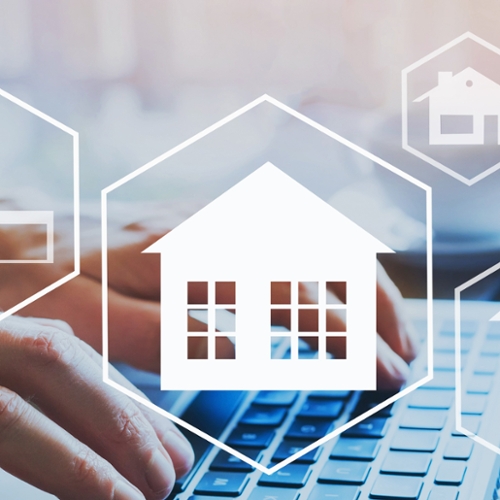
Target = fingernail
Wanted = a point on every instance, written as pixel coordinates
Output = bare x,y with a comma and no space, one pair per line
125,491
160,473
179,450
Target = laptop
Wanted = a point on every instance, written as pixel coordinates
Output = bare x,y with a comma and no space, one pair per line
409,450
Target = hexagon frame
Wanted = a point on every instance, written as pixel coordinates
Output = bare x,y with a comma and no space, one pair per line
404,96
353,147
76,203
458,359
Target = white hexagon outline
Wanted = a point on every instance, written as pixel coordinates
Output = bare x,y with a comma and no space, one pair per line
185,144
458,360
404,87
76,204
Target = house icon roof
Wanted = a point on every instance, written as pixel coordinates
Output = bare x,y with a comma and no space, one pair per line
263,215
268,228
496,317
467,90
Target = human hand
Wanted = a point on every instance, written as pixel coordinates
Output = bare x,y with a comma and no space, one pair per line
64,431
134,308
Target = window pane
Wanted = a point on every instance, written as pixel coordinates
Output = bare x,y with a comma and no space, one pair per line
339,288
308,320
197,320
280,292
337,346
280,317
197,347
225,292
197,292
311,349
225,348
277,342
336,320
225,321
308,292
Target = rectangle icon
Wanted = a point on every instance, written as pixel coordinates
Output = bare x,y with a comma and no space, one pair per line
32,218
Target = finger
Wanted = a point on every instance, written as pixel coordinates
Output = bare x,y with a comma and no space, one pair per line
134,324
72,394
392,324
36,450
130,271
53,323
392,371
177,446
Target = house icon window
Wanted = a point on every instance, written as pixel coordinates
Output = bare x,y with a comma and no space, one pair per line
268,238
208,305
310,320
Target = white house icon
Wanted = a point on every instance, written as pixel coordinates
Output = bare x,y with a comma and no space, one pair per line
267,228
468,95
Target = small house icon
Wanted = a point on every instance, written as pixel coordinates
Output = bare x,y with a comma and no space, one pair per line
468,97
267,229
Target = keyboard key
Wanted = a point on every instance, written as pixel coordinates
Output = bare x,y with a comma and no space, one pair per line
369,428
493,329
468,328
204,497
271,417
480,384
432,400
266,493
250,437
458,448
443,493
340,492
400,487
308,429
486,365
491,346
355,449
471,423
415,440
369,400
406,463
447,344
442,381
451,472
321,409
445,361
344,472
226,462
473,404
291,476
423,419
275,398
289,448
329,395
224,484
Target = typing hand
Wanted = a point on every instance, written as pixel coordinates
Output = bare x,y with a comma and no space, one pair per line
64,431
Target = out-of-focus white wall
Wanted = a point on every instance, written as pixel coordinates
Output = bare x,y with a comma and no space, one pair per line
136,77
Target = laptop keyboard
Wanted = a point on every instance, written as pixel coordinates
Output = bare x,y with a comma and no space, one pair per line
408,450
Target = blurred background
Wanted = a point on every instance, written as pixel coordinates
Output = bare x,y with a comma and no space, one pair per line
136,78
